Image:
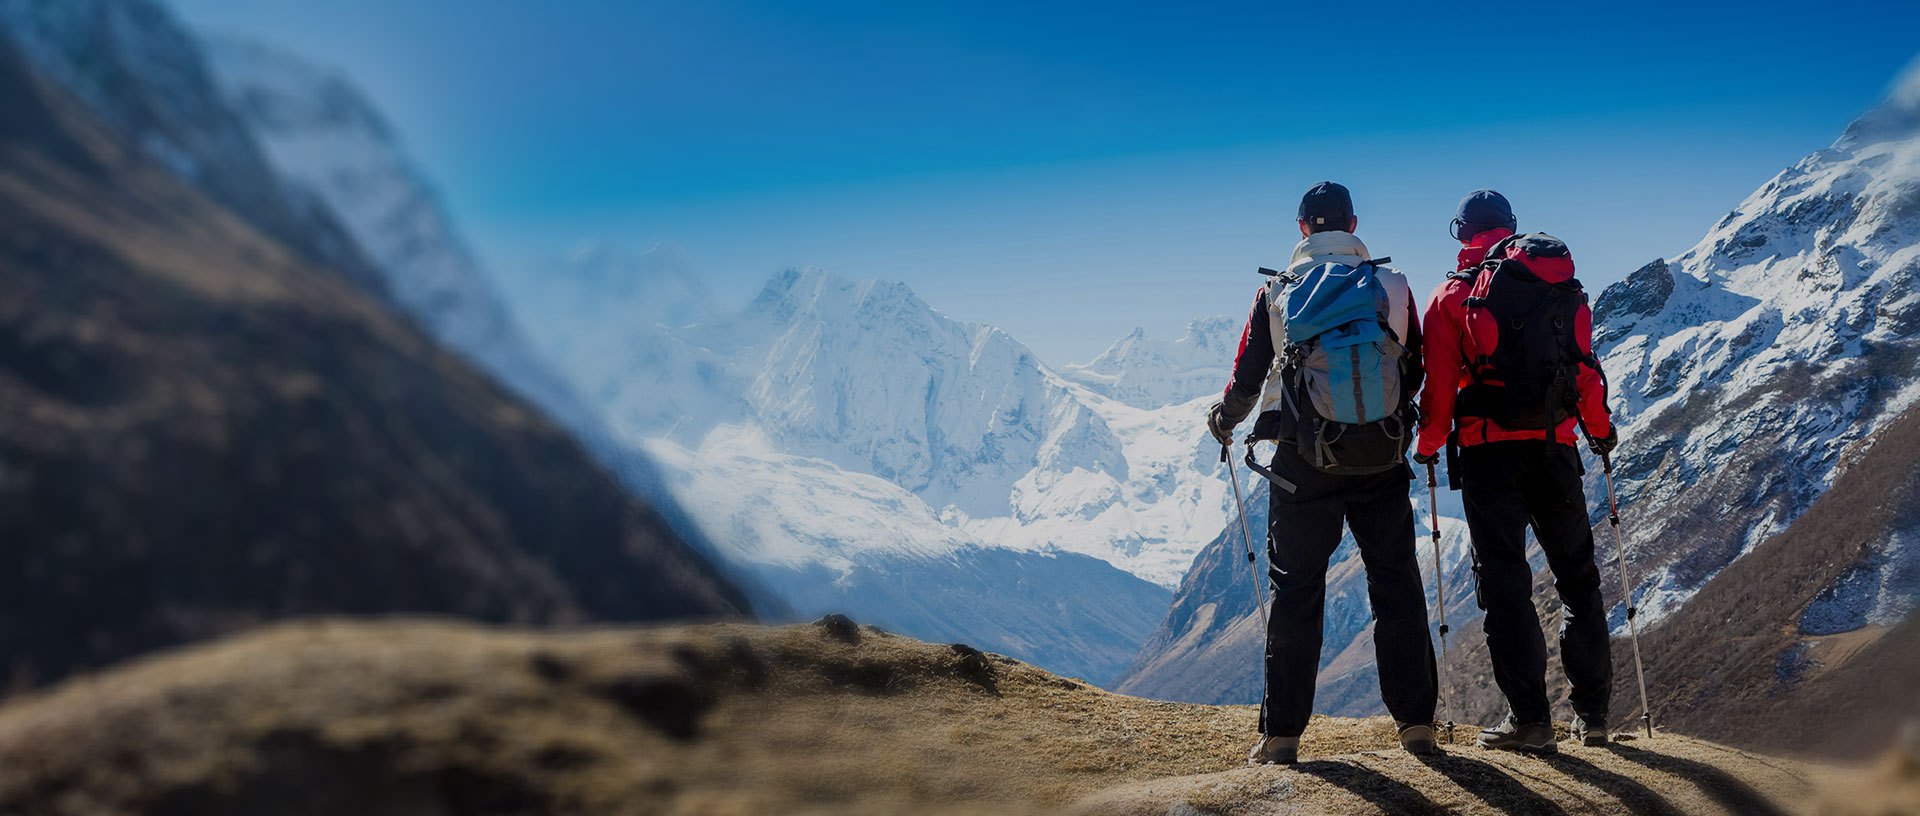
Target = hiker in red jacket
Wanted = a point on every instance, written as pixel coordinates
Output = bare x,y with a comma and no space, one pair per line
1511,383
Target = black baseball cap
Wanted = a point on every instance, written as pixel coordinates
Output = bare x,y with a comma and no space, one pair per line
1480,211
1327,205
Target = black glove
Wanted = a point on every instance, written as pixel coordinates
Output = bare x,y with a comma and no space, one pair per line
1426,458
1603,445
1219,425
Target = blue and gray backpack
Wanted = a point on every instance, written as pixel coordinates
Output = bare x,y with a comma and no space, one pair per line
1339,375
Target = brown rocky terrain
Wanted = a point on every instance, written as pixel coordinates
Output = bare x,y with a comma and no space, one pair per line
431,717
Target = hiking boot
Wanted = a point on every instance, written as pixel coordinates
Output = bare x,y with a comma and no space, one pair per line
1418,739
1275,751
1531,738
1591,733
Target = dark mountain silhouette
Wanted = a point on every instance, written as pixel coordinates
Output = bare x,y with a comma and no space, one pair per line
201,429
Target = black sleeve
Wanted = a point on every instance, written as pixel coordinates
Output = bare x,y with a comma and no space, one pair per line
1251,364
1413,369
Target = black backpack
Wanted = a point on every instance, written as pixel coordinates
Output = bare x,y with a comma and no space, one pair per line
1530,380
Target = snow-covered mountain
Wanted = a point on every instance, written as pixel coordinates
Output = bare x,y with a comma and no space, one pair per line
846,435
868,377
1146,372
1748,370
827,539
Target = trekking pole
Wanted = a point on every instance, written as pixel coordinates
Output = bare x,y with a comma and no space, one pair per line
1626,589
1440,595
1259,592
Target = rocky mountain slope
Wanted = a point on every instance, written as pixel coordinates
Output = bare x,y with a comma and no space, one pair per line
1749,367
319,133
1836,678
325,717
301,154
204,429
330,143
146,79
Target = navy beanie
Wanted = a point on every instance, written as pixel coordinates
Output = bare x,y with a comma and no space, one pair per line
1327,205
1480,211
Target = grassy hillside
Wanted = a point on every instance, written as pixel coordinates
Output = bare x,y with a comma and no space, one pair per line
434,717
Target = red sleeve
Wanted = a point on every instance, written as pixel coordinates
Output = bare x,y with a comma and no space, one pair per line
1444,363
1592,382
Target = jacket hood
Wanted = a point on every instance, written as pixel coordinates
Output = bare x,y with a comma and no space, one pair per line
1545,256
1475,250
1321,247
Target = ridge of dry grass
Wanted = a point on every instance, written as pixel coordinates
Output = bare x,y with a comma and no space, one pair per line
427,717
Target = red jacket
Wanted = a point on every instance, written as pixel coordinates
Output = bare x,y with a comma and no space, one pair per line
1452,338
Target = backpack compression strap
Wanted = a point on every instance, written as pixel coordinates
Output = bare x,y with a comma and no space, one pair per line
1277,479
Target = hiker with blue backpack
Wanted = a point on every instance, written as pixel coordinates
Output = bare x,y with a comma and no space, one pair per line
1331,358
1511,381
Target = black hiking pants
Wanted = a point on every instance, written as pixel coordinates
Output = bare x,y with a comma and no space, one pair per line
1303,532
1507,487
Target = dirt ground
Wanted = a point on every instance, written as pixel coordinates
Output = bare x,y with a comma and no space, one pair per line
433,717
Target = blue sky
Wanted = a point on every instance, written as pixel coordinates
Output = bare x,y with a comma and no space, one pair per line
1073,171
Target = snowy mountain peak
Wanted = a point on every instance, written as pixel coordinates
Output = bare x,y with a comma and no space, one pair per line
1144,372
820,292
326,99
1898,115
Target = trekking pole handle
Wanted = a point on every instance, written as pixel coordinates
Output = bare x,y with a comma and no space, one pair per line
1433,501
1223,454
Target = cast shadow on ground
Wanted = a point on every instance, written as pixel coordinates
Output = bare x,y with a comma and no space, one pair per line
1734,795
1491,785
1384,792
1638,798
